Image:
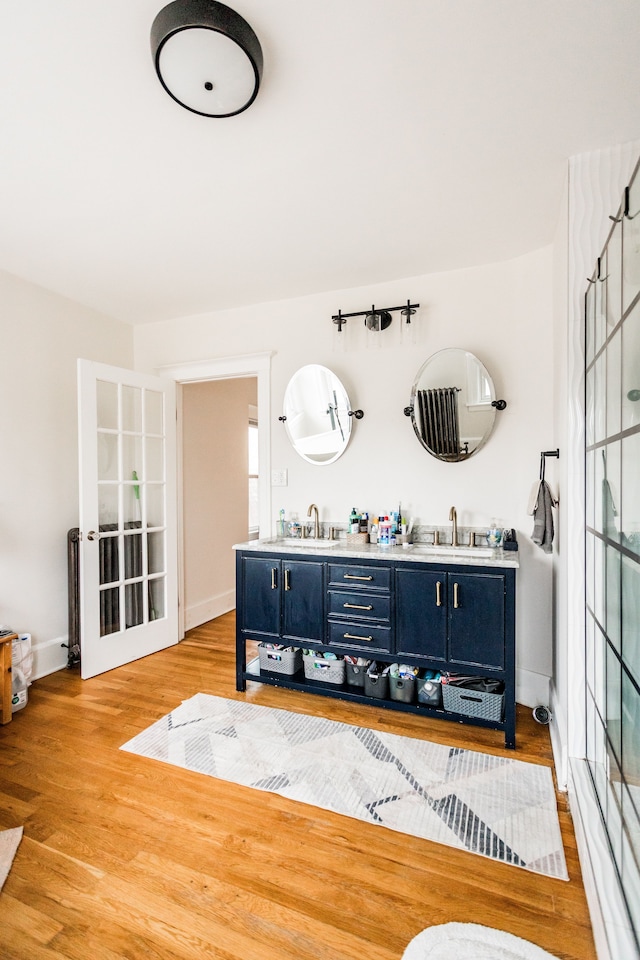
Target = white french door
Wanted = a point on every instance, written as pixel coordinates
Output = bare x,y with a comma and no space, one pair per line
128,516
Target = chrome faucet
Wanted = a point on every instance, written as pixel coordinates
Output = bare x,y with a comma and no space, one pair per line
316,522
454,533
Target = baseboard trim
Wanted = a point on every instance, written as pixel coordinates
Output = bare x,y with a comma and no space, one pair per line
532,688
49,656
209,609
557,727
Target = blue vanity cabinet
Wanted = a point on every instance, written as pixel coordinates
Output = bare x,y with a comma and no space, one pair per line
454,618
477,621
457,618
282,598
260,583
303,600
359,608
421,614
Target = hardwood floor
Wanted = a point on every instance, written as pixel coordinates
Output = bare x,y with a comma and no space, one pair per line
124,857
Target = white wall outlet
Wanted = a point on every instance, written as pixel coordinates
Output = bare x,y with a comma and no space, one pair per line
279,478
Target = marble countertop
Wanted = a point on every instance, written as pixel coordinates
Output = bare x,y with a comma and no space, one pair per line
422,552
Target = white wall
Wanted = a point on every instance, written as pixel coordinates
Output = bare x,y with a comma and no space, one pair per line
502,313
215,417
42,335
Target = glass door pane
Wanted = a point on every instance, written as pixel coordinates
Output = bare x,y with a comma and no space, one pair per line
131,480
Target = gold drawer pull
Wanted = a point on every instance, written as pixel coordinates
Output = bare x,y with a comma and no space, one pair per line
438,594
352,636
352,576
274,582
456,598
287,584
357,606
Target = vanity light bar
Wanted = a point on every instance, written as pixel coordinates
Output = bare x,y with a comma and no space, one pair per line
377,318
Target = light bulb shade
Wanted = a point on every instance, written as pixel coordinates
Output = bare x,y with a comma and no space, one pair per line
207,57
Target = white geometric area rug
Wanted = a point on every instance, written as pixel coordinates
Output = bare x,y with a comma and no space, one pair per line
498,807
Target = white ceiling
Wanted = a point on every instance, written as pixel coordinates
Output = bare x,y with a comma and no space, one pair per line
390,138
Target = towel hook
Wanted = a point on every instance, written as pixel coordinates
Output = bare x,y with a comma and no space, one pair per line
598,274
625,211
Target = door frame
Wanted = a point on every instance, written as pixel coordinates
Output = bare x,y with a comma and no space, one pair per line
256,365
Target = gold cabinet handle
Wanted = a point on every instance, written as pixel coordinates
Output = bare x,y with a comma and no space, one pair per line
274,578
438,594
456,598
352,636
287,583
357,606
352,576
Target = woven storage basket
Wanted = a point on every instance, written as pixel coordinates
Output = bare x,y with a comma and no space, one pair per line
280,661
472,703
357,538
325,671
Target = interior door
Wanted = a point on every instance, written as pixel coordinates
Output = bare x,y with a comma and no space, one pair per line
128,516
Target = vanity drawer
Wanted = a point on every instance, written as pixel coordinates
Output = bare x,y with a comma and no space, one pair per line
359,575
360,635
355,606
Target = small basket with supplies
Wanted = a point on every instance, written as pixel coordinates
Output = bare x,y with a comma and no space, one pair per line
323,667
356,670
376,680
429,688
276,658
473,696
402,682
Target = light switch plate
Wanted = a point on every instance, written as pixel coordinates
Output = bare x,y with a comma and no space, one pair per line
279,478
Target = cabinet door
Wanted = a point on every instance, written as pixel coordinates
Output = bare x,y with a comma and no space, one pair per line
303,600
477,619
261,595
421,620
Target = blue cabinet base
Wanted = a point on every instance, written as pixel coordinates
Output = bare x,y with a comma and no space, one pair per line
440,640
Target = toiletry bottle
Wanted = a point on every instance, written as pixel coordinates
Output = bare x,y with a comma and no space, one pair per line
354,521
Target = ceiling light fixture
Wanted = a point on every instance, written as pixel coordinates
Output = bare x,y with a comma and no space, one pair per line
207,57
377,318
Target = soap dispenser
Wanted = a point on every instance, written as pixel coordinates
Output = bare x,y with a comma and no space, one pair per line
494,534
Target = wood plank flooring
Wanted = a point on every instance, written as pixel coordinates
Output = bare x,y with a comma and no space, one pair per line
124,857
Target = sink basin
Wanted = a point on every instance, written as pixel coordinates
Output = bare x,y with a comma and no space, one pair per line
448,551
307,542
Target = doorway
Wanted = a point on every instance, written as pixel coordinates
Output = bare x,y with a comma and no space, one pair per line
258,367
218,417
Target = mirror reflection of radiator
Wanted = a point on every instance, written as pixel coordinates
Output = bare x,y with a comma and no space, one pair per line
438,420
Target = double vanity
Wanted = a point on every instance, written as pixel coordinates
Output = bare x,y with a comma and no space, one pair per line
434,609
438,608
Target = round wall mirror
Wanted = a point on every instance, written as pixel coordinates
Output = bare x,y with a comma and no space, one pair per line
316,414
453,405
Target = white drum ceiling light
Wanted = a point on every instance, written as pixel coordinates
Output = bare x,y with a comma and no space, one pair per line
207,57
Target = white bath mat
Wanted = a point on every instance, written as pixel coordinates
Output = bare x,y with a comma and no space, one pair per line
470,941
